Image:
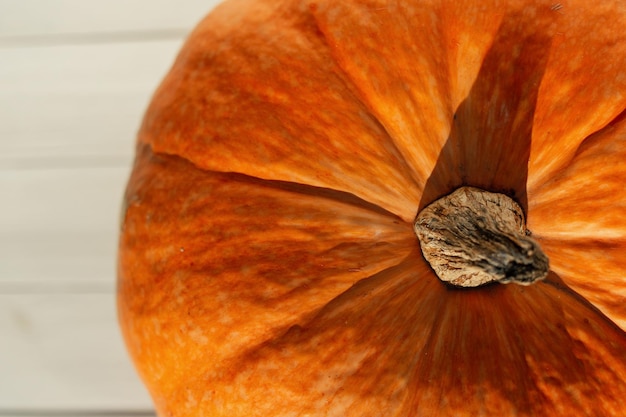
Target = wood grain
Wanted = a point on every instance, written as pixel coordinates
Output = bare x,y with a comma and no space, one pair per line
76,105
63,352
41,19
75,78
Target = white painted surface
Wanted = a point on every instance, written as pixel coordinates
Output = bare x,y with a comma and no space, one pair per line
75,78
76,104
21,18
65,354
59,228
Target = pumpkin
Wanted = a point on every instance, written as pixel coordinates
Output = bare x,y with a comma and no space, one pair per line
269,263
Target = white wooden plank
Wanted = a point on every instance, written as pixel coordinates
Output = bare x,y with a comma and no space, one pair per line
77,104
75,413
59,229
64,352
47,19
75,77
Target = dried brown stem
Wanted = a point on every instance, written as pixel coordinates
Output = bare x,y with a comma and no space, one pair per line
472,237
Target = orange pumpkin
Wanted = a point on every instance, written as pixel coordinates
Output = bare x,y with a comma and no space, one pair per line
268,264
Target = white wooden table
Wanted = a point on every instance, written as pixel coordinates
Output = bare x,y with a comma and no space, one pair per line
75,78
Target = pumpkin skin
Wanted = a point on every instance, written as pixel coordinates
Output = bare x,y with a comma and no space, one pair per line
267,261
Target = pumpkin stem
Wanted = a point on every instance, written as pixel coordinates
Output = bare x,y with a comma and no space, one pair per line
473,237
